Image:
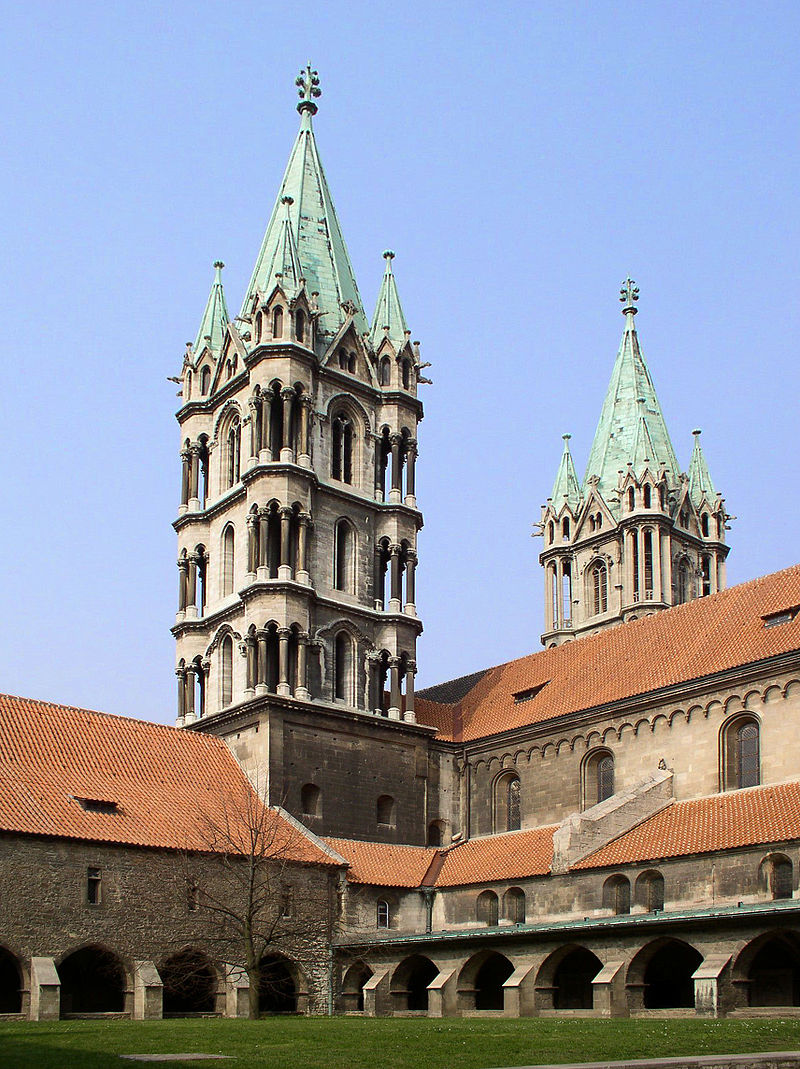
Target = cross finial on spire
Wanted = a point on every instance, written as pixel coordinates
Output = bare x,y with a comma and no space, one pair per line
629,295
307,83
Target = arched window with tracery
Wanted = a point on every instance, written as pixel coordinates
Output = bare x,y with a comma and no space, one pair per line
598,588
226,671
598,777
741,751
277,322
343,668
342,448
507,804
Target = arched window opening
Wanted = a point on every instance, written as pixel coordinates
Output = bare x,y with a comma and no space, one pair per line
591,524
226,671
190,984
276,441
514,905
507,802
385,810
203,462
406,374
776,876
631,499
599,520
277,991
233,451
552,583
598,776
633,542
386,372
436,830
487,909
649,891
598,586
648,565
200,559
704,524
351,363
551,532
565,529
668,982
259,326
617,895
343,668
10,983
205,381
706,570
573,980
383,914
741,754
277,322
92,981
379,677
353,987
342,449
773,978
662,497
311,800
647,496
409,986
342,359
300,325
383,452
566,592
344,553
228,560
684,518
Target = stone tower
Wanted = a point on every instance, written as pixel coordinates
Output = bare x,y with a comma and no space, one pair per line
297,527
637,535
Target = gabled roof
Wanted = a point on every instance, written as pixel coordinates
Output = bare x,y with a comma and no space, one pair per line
700,482
215,319
384,864
688,642
499,857
389,311
566,488
631,397
304,202
75,774
721,822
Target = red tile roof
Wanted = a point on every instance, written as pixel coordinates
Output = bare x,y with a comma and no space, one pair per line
172,788
687,642
702,825
384,864
499,857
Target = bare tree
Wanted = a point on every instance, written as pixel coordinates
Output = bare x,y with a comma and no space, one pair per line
254,895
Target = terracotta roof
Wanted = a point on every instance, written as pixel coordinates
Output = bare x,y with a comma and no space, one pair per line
384,864
499,857
721,822
78,774
686,642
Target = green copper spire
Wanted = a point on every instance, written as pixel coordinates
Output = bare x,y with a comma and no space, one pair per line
566,487
700,484
308,220
215,318
631,427
389,311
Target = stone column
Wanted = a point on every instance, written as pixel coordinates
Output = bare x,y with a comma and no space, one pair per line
189,715
301,682
285,568
656,543
264,451
283,661
45,990
303,522
148,991
549,581
397,469
288,396
250,644
254,406
194,478
191,588
394,600
263,540
261,676
183,570
185,476
394,688
411,671
666,568
640,544
180,675
410,607
304,457
630,542
206,670
252,546
378,579
377,443
713,566
411,477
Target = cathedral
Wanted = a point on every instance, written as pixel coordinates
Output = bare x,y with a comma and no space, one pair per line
608,826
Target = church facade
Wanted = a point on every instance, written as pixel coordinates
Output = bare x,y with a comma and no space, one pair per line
610,825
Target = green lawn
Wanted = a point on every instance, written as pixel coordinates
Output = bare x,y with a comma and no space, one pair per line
401,1043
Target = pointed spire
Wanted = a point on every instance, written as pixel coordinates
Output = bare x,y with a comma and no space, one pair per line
566,487
309,223
700,483
215,318
631,420
389,320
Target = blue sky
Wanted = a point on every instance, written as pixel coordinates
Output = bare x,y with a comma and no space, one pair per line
520,158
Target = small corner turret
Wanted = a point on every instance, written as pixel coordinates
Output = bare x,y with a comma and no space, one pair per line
637,535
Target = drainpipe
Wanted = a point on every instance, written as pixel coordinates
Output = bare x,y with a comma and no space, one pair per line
428,893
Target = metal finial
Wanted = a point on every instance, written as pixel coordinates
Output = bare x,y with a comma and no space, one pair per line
697,433
307,83
388,255
566,437
218,265
628,295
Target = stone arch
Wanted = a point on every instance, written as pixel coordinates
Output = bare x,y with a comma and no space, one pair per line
776,876
772,694
660,975
11,982
352,997
93,980
481,980
230,409
281,985
752,698
190,983
597,776
566,977
354,409
643,722
740,751
649,890
792,687
506,807
409,983
768,967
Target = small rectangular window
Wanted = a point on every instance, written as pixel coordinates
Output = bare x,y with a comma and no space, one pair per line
98,805
775,619
193,898
530,693
286,902
93,886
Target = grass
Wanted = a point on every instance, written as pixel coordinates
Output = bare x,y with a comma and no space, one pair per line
399,1043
